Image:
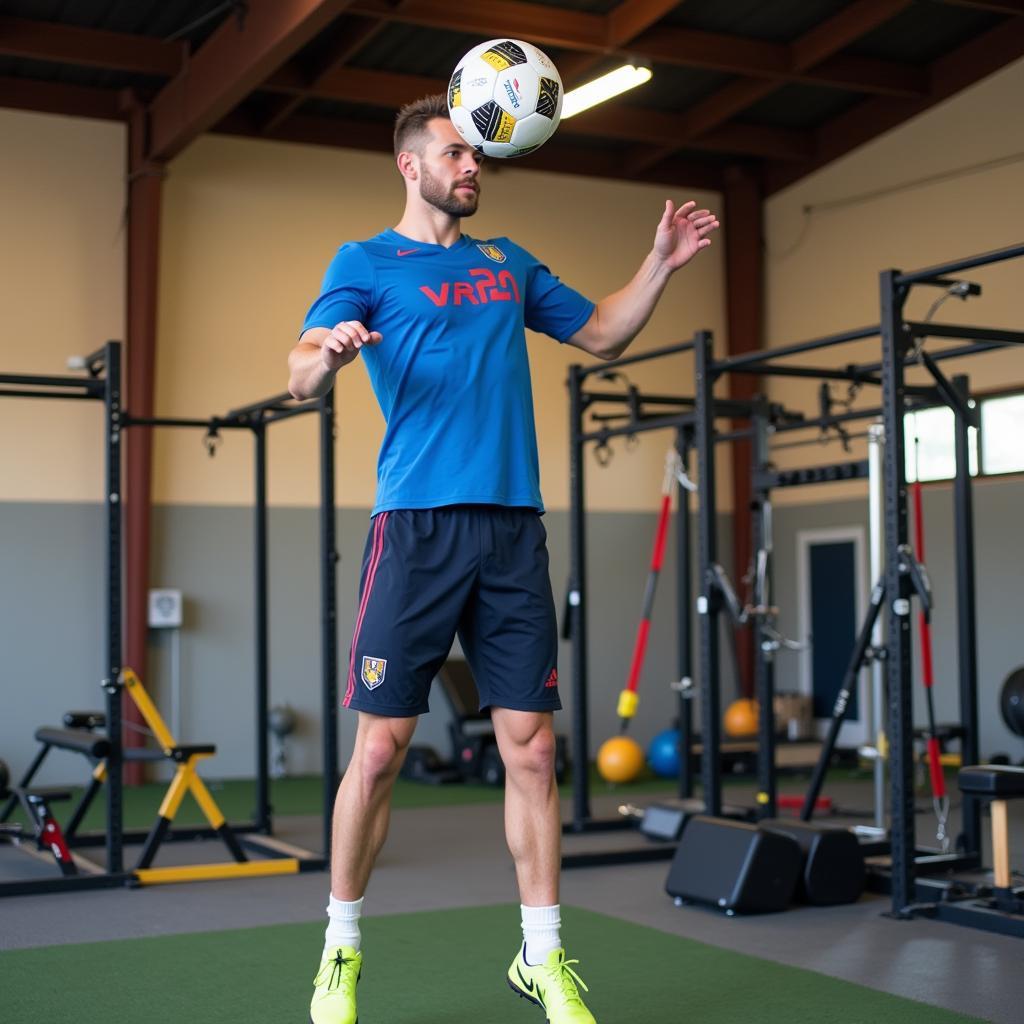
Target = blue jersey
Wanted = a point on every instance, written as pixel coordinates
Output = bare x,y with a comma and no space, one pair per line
452,374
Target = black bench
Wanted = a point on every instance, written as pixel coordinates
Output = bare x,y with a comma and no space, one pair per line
998,784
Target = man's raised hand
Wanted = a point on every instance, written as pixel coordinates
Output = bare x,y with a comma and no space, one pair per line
682,233
344,341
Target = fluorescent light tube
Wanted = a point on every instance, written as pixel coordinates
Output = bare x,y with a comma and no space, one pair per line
604,88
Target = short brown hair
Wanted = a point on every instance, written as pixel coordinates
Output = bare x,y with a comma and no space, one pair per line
412,121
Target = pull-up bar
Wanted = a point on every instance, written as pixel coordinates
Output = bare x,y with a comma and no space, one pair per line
928,274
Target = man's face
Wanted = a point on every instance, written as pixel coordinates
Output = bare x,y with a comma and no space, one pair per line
450,171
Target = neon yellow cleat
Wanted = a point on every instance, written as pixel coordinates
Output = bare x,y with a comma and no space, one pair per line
334,995
552,986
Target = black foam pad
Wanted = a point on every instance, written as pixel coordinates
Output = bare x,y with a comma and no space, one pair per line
992,780
833,864
80,740
734,866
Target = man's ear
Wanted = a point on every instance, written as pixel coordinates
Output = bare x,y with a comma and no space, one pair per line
408,165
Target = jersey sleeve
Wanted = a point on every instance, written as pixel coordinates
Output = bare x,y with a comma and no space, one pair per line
552,307
347,290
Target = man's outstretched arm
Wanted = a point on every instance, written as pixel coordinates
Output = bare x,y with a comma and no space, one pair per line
619,318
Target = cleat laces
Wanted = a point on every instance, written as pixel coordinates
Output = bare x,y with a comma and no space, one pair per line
567,980
339,977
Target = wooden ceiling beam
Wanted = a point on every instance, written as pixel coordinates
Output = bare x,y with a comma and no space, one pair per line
119,51
230,65
867,75
547,26
977,59
665,44
356,36
60,98
89,47
660,128
995,6
375,88
613,120
837,32
811,48
631,17
623,24
348,133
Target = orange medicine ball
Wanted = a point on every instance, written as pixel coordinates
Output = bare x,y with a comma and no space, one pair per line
741,718
620,759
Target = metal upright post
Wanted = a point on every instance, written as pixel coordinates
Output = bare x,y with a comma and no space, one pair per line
113,423
708,601
684,614
764,658
578,608
876,543
895,343
966,609
262,811
329,616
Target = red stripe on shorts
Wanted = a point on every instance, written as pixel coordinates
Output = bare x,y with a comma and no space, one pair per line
375,555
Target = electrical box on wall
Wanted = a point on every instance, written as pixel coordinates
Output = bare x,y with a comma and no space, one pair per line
166,609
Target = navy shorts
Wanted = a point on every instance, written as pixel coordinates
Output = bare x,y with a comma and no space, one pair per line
479,571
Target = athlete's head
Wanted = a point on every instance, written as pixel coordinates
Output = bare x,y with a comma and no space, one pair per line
437,163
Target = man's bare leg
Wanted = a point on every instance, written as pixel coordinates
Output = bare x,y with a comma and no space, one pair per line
533,824
533,827
362,809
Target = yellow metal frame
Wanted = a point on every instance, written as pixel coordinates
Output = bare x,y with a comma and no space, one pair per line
186,779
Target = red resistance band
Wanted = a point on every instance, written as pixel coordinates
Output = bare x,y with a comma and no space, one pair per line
927,670
640,648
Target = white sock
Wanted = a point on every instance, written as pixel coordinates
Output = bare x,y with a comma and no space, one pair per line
343,924
541,928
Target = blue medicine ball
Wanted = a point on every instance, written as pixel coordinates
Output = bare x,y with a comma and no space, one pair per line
663,754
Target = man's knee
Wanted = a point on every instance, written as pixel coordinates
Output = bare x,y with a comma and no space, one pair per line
534,755
381,751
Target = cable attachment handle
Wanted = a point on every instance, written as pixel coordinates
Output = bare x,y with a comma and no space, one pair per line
775,640
941,805
676,473
919,579
720,582
212,440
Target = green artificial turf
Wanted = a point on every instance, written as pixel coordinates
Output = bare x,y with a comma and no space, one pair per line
429,967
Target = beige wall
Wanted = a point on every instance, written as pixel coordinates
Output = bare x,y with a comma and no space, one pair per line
822,267
249,228
61,292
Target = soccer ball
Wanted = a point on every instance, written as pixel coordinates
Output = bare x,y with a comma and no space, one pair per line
505,97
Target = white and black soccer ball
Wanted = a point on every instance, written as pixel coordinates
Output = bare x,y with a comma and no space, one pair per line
505,97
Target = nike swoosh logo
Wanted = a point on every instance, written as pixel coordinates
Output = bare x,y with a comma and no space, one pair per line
528,985
406,252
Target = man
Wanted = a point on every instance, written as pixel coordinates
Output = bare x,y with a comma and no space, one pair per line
456,543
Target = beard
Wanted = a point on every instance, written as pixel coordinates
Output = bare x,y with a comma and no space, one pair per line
447,200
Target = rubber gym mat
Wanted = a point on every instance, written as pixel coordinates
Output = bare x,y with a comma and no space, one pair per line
425,967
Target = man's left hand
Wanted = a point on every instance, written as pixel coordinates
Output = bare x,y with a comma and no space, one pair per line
682,233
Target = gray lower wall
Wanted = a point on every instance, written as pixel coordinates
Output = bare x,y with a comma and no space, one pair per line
51,572
52,616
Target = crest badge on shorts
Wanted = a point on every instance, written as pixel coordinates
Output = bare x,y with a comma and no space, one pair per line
373,672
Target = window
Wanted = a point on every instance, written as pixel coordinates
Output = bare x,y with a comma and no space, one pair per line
931,445
1002,434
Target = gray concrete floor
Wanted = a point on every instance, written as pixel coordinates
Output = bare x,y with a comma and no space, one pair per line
456,857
